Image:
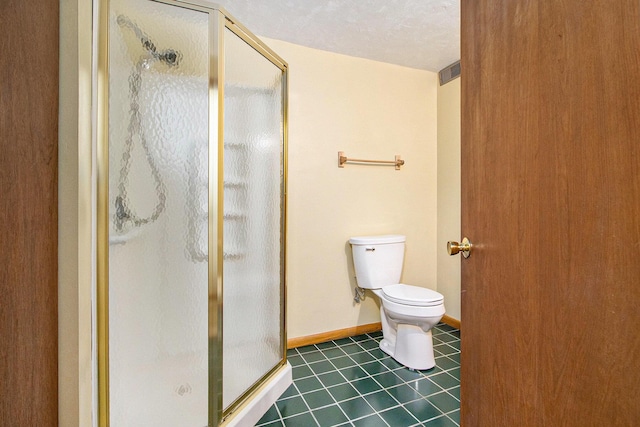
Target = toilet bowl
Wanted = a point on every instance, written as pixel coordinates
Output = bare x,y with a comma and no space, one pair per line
408,313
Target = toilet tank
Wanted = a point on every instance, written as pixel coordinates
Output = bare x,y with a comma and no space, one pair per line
378,260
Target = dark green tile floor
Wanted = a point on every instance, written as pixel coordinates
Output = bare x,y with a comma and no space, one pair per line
351,382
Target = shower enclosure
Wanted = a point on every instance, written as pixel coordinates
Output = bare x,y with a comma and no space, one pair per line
191,217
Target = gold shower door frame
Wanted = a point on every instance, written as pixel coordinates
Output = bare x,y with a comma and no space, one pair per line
219,20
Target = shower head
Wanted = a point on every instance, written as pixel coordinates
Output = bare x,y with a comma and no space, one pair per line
170,57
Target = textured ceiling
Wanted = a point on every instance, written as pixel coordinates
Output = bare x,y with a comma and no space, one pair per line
422,34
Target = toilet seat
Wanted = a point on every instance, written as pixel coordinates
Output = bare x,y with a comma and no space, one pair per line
412,295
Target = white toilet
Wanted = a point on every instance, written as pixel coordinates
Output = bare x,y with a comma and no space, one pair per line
408,312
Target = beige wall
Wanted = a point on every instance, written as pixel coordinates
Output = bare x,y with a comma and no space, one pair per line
368,110
449,194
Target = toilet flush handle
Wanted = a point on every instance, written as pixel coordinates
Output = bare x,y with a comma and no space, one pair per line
370,249
465,247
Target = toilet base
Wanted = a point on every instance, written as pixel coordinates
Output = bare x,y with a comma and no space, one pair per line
413,347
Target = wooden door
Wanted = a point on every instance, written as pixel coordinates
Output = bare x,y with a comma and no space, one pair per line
28,213
551,202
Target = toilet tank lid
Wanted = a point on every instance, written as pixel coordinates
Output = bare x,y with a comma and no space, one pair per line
377,240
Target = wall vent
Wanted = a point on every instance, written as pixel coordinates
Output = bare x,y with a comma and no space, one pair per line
449,73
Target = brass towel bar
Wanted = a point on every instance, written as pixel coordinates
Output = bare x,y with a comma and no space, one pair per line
342,160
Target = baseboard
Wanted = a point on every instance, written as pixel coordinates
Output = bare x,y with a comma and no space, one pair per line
333,335
448,320
350,332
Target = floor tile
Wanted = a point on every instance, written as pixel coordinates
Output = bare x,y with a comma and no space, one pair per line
455,372
290,392
343,392
440,422
331,353
343,362
446,328
352,348
295,360
408,375
271,415
276,423
321,367
446,363
445,349
390,363
455,416
308,384
381,400
425,386
331,378
446,337
404,393
370,421
398,417
306,349
313,356
388,379
301,372
366,385
444,401
374,368
353,373
330,416
370,344
302,420
378,354
356,408
444,380
363,357
317,399
325,345
422,410
351,382
292,406
455,392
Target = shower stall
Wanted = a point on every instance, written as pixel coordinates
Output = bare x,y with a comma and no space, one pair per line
191,217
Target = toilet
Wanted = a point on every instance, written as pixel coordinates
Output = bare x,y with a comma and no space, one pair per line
408,313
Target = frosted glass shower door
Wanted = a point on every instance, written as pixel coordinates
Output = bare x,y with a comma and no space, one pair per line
158,207
253,218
